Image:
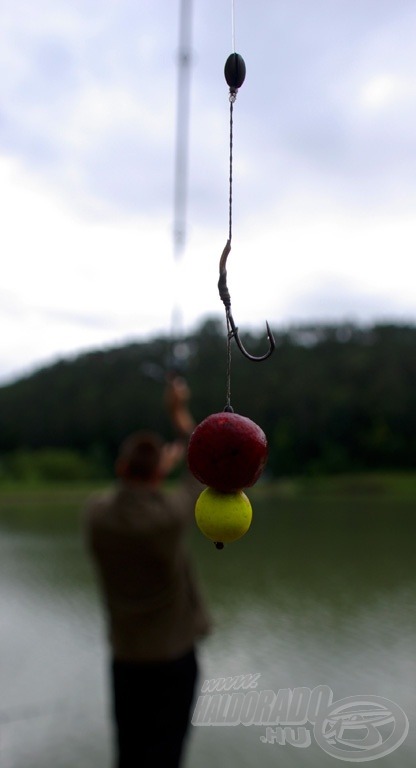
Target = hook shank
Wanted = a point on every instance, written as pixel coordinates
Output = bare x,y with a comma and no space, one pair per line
226,299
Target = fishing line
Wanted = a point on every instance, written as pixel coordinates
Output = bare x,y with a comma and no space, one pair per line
235,73
227,452
233,26
232,98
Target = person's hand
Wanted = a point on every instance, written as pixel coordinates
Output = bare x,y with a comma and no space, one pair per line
177,394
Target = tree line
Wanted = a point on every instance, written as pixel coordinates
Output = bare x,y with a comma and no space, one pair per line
332,398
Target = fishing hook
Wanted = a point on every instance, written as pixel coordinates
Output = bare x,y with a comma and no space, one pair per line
226,299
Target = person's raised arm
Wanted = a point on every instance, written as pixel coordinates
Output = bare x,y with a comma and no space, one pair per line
177,395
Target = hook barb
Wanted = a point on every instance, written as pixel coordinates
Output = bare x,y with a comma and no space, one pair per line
226,299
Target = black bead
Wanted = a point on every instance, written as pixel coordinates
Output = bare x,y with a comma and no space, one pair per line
235,71
219,544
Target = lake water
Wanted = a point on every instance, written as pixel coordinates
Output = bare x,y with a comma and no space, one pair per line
316,594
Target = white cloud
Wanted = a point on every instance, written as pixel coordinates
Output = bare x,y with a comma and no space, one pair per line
384,91
68,282
324,175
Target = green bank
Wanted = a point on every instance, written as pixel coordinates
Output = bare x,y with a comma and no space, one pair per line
57,506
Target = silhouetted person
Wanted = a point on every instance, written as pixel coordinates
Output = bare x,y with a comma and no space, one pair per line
136,535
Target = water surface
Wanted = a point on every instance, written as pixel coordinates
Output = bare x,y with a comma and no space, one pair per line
315,594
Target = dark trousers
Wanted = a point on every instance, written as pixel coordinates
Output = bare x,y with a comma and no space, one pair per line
152,703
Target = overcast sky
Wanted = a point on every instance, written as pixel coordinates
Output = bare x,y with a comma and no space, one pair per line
324,178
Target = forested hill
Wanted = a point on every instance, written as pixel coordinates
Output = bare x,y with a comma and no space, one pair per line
329,399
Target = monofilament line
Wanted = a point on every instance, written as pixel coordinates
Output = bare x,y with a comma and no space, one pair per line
230,178
232,98
228,378
232,26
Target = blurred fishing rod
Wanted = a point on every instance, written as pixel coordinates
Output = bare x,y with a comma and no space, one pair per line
178,351
180,190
